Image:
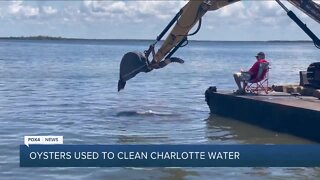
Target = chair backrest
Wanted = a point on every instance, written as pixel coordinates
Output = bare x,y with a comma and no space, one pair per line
263,70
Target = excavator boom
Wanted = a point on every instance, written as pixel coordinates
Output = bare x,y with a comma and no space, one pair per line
309,7
192,13
133,63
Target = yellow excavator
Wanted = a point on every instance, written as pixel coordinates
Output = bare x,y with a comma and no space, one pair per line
191,14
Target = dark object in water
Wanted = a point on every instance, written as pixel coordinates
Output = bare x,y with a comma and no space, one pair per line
131,64
144,113
313,74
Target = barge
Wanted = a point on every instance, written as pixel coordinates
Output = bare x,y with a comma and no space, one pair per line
277,111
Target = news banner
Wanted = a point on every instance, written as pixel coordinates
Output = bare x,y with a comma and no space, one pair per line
49,151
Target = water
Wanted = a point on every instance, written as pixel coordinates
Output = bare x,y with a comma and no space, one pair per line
69,88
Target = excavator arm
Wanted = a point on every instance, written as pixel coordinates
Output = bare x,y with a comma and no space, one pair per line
133,63
191,14
309,7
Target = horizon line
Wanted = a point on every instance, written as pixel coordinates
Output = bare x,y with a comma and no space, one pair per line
42,37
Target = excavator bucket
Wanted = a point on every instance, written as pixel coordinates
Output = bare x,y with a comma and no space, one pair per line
131,64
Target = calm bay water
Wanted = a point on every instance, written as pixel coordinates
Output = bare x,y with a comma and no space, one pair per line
69,88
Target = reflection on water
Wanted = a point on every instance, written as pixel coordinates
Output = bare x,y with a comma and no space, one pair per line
225,129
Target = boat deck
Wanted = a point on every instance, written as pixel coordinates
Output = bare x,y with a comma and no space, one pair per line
306,102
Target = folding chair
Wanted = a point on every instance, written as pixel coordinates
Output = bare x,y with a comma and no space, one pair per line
261,82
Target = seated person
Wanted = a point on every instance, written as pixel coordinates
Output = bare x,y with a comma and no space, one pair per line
252,75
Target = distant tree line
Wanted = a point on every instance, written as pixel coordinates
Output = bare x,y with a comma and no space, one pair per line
35,37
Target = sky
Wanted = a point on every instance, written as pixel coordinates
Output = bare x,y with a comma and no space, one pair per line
130,19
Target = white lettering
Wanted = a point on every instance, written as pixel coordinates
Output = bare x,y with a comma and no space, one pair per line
224,155
108,155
